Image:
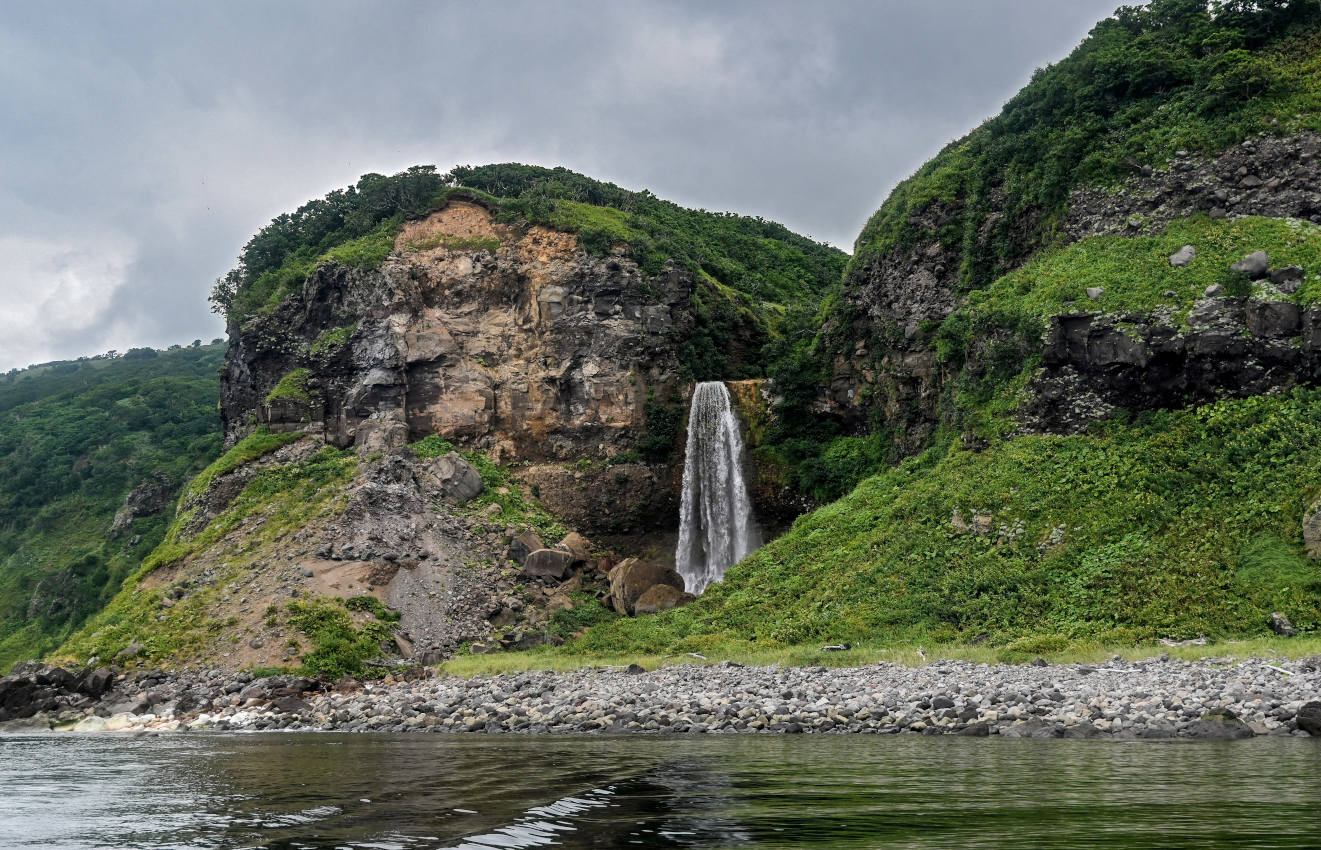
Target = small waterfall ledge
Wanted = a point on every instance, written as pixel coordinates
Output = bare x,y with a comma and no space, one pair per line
716,526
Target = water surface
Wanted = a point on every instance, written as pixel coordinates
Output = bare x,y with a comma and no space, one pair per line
478,793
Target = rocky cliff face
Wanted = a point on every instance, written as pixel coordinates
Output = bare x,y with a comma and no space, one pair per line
506,339
1093,362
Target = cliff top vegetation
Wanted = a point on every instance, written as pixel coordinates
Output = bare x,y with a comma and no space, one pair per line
356,226
1149,81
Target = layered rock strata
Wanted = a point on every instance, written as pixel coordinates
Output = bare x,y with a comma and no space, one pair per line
511,340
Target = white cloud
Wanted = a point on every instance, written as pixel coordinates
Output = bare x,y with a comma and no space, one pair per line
54,289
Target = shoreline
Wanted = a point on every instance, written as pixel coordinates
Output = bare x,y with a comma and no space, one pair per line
1216,699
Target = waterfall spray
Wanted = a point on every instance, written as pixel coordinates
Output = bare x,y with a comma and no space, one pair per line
716,528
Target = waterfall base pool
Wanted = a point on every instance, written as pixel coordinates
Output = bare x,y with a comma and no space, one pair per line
368,791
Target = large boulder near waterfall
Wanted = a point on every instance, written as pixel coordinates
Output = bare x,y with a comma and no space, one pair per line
632,578
660,597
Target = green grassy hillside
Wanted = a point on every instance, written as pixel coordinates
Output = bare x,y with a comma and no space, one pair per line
75,438
1181,524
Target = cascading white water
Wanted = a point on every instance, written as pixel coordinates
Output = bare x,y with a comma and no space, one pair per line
716,528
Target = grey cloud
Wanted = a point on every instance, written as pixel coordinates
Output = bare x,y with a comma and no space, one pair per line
164,134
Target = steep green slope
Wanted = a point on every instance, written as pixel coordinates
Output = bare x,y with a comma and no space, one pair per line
747,268
75,438
1171,75
1184,523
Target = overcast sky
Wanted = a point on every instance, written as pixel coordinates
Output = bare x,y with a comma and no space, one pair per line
141,144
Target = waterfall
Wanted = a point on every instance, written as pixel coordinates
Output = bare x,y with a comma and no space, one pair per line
716,528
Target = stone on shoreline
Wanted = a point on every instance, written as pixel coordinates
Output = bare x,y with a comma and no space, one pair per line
1118,700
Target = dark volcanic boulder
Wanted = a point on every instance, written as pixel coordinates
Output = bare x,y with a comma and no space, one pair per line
96,682
1219,726
19,697
453,479
523,544
548,563
1309,718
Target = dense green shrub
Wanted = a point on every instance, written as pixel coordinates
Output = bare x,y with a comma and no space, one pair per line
339,646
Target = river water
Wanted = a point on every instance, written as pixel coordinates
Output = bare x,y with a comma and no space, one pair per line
201,790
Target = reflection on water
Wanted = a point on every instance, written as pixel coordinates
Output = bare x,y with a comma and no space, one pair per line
479,793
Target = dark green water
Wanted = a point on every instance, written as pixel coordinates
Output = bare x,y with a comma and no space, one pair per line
478,793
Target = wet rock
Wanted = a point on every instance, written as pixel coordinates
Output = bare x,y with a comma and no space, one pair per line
1309,718
1032,728
1085,730
1221,725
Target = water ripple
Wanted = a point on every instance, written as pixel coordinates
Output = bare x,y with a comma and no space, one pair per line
315,792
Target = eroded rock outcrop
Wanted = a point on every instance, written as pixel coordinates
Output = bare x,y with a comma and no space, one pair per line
1231,346
1093,362
507,339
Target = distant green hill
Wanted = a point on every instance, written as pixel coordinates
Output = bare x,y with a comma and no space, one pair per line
75,438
